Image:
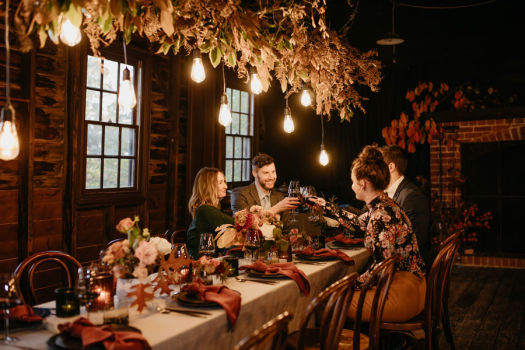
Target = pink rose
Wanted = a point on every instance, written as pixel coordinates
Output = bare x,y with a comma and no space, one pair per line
146,252
118,249
125,225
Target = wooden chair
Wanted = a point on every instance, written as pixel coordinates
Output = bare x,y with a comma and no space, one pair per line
48,260
436,299
275,330
175,235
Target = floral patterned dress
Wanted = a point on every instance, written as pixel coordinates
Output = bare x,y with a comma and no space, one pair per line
387,231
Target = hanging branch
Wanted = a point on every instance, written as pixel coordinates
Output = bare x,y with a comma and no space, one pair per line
285,39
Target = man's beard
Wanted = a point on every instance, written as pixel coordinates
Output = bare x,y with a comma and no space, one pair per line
263,185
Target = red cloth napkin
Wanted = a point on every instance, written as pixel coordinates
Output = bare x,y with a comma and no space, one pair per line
341,238
288,269
113,340
228,299
22,313
325,253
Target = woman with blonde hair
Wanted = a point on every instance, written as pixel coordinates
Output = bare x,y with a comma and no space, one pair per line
208,189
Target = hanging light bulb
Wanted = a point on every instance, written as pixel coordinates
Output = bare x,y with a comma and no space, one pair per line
255,82
197,69
323,156
225,116
306,99
288,124
9,146
69,34
126,95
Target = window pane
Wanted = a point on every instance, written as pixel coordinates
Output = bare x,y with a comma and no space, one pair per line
235,101
128,142
244,102
110,173
92,104
111,142
109,107
247,148
92,173
244,124
93,72
229,146
235,124
126,172
246,171
94,139
125,116
228,170
237,170
238,147
110,75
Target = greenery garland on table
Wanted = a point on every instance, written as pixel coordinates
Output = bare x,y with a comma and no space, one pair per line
286,38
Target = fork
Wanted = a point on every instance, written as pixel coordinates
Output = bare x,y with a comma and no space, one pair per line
254,280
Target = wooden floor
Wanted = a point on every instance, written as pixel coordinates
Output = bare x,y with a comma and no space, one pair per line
487,309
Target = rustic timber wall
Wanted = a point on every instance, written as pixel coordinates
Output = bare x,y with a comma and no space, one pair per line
38,209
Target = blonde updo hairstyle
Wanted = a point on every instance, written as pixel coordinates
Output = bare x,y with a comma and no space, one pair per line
370,165
205,189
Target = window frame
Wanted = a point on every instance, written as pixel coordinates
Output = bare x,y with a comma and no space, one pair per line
252,124
110,196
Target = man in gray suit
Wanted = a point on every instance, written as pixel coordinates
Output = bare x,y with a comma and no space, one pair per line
260,192
410,198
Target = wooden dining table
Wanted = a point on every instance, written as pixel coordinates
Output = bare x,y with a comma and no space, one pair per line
260,303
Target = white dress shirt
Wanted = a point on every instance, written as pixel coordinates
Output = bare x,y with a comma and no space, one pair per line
391,190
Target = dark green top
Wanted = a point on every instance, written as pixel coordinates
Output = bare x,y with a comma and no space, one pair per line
207,218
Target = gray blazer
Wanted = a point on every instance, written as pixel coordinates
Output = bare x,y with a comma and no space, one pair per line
417,207
245,197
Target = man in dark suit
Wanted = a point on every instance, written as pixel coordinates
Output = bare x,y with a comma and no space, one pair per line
410,198
260,192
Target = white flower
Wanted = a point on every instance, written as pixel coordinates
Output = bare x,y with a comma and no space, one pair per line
331,222
162,245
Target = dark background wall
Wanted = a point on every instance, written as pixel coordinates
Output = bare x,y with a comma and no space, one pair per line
474,44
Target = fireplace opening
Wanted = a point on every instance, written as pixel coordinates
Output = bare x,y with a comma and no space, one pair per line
495,174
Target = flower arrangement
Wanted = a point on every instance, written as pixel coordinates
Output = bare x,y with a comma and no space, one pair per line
208,266
417,127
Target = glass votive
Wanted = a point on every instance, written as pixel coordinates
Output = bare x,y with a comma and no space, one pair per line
234,265
67,304
116,315
103,287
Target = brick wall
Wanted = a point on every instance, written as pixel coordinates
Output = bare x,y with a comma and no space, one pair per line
511,129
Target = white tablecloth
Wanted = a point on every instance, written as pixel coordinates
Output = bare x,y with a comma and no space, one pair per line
260,303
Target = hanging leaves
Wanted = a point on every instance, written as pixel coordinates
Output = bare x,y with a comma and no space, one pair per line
283,39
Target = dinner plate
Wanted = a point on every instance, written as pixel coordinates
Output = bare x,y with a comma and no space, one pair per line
15,324
193,299
347,245
257,274
64,341
316,258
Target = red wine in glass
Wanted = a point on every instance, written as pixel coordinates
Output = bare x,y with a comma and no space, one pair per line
9,298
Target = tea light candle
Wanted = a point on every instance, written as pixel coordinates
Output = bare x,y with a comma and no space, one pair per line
103,286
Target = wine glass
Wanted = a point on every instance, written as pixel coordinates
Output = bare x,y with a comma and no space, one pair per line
206,245
294,190
180,250
85,292
252,243
9,298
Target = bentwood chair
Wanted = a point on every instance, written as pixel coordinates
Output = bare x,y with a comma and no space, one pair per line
275,331
175,235
44,264
436,300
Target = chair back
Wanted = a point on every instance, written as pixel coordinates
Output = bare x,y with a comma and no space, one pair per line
438,280
48,261
275,330
333,304
381,278
175,235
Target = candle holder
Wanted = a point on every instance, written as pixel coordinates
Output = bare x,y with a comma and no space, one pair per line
103,287
67,303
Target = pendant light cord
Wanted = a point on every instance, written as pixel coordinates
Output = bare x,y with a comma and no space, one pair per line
322,130
7,75
124,46
223,79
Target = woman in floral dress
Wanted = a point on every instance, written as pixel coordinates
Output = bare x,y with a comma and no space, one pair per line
387,231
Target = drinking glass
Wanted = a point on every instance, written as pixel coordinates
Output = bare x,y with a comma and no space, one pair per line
9,298
180,250
206,245
294,190
85,292
252,244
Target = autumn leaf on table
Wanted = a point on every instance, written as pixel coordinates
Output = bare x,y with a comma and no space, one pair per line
173,264
162,283
142,295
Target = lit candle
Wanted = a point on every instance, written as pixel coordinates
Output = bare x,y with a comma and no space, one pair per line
103,286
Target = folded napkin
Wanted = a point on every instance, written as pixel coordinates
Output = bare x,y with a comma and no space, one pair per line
113,340
341,238
325,253
228,299
22,313
287,269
